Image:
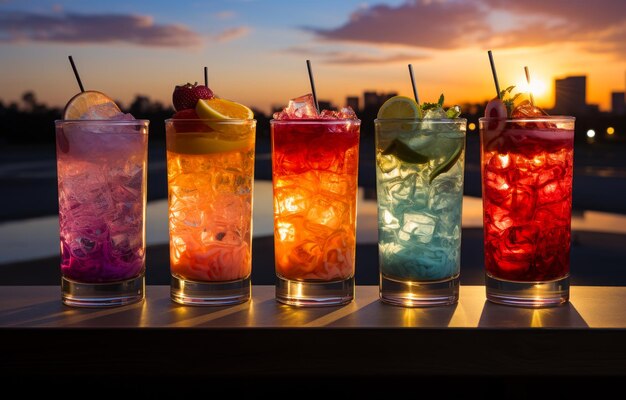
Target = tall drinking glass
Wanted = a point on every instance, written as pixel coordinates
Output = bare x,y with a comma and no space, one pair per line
210,175
101,169
527,168
314,169
419,179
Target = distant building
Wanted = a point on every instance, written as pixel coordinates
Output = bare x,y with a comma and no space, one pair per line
370,99
618,103
571,95
373,100
353,102
386,96
325,105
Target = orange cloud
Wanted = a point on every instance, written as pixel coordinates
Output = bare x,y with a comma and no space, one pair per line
350,58
426,24
598,25
231,34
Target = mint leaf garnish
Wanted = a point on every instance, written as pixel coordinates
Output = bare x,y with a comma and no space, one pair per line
508,101
440,102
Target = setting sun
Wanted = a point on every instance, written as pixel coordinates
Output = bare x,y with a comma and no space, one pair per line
538,87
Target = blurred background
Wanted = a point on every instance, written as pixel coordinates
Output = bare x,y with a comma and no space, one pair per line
255,51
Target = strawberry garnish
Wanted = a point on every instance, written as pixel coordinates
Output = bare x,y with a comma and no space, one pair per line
186,96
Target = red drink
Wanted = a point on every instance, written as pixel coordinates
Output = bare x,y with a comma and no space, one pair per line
527,168
314,168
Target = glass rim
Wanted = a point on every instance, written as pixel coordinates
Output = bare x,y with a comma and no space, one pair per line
212,120
437,120
103,121
314,121
551,118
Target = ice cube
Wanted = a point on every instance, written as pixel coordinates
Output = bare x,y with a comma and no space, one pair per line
421,226
388,220
102,111
436,113
288,228
527,110
554,191
402,188
386,163
445,194
122,117
327,211
302,107
224,181
343,113
292,200
229,210
334,183
550,173
404,236
347,113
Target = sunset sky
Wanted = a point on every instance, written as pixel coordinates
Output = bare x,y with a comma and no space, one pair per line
256,50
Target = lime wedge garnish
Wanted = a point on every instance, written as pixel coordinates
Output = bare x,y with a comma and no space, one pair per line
448,163
404,153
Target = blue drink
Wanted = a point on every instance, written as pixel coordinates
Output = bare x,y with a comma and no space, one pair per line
419,177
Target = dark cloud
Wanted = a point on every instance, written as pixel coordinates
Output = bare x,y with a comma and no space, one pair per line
102,28
427,24
348,58
599,25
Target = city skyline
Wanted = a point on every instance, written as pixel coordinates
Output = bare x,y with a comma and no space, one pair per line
255,50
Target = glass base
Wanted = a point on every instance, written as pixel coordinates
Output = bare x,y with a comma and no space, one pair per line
194,293
528,294
95,295
419,294
314,294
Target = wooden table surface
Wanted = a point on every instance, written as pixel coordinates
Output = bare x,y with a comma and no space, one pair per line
39,335
40,306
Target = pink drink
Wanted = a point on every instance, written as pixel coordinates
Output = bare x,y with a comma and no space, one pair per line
102,194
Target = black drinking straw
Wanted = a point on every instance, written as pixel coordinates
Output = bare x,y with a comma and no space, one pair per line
308,66
80,83
495,75
206,77
417,100
532,99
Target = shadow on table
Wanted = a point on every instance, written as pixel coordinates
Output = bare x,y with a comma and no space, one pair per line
500,316
54,313
379,314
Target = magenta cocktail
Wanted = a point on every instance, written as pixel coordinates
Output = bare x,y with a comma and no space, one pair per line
101,167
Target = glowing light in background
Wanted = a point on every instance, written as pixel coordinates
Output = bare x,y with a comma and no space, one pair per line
537,86
471,126
610,130
591,133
